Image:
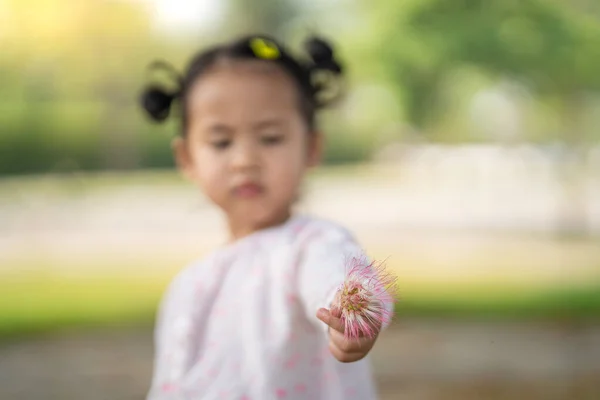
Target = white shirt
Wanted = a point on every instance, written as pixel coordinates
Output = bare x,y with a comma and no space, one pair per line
241,324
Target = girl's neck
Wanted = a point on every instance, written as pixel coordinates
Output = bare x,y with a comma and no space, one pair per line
241,229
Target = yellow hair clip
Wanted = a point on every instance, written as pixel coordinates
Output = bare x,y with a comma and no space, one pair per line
264,49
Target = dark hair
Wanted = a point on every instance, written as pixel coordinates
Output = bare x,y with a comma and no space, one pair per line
318,79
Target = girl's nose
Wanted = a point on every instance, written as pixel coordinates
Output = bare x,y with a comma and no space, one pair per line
245,155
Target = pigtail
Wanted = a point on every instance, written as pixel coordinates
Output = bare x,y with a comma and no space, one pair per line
157,100
325,72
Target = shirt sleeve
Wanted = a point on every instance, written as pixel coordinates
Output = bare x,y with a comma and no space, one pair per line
322,270
324,264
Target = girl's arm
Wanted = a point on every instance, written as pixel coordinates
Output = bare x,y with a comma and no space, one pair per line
334,271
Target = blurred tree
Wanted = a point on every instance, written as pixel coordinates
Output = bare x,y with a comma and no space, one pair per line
262,16
550,47
591,7
75,69
547,46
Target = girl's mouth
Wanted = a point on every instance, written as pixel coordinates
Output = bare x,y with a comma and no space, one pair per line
248,190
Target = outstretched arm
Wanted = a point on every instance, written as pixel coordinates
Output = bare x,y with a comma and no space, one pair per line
347,296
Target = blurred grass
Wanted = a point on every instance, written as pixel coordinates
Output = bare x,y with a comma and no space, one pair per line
40,303
36,303
560,304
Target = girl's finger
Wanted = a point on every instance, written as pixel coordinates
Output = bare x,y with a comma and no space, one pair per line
336,312
334,323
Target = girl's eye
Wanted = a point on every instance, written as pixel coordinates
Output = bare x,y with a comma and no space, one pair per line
271,139
221,144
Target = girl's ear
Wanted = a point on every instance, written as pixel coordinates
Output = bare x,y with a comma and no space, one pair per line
182,157
315,149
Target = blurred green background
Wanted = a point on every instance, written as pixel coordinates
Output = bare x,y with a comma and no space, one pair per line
466,153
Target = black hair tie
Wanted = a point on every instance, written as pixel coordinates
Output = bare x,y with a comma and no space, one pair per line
325,72
156,100
322,55
157,103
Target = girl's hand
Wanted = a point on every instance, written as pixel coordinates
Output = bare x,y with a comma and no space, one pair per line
344,349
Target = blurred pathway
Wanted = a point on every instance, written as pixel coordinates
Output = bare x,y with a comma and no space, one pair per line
415,359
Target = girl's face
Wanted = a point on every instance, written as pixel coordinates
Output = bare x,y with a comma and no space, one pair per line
247,144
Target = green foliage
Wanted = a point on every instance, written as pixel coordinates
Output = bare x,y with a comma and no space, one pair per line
581,303
547,46
550,47
46,136
69,85
46,303
262,16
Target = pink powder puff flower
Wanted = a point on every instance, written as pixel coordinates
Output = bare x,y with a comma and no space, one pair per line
364,301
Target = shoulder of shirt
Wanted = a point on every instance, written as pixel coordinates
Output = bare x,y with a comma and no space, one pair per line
305,230
310,229
189,272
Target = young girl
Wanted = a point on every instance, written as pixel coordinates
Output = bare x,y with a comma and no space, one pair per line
254,319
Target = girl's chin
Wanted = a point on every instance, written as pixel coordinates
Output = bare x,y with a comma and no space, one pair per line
259,216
